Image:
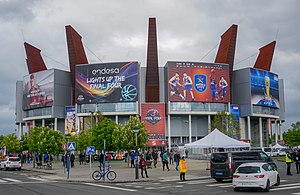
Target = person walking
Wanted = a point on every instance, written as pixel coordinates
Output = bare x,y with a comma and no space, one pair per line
143,166
288,161
182,168
101,159
297,160
171,157
165,161
177,160
80,158
132,157
72,160
155,157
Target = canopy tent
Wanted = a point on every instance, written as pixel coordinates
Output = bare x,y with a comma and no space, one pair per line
217,139
277,146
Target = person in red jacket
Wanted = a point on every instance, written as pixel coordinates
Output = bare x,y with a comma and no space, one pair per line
143,166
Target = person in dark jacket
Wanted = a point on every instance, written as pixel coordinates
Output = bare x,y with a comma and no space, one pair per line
177,159
297,160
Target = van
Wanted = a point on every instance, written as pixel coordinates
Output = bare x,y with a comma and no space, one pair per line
267,150
224,164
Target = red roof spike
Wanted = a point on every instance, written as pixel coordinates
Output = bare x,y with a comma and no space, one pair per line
35,62
265,56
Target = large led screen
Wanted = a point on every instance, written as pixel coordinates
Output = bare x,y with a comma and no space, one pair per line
38,89
264,88
153,116
199,82
108,82
70,121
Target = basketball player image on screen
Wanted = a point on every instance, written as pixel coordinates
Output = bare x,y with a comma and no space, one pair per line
223,85
188,86
214,91
174,85
33,92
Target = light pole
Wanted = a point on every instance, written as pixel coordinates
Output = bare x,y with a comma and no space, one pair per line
136,131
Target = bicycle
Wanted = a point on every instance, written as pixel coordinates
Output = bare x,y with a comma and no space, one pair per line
97,175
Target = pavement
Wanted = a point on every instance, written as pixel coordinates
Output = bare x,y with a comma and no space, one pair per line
81,173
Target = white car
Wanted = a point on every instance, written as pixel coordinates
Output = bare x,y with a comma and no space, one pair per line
255,176
11,163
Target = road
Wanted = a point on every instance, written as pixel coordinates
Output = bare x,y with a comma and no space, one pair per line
28,183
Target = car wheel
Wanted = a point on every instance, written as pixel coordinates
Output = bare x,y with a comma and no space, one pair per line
219,180
236,189
19,169
278,181
5,168
267,189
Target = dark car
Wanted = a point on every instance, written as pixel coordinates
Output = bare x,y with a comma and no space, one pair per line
224,164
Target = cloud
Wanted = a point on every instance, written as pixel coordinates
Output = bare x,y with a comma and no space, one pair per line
117,31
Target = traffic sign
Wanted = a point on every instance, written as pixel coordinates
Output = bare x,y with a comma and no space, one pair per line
71,145
64,147
90,150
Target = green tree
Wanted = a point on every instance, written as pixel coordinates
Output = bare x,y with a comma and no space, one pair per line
226,123
24,142
295,126
84,139
12,143
292,137
101,131
124,137
45,140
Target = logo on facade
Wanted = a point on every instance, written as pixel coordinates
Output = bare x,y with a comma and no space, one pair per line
153,116
80,98
200,82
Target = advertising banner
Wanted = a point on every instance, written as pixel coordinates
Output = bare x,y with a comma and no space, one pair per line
108,82
70,121
234,109
264,88
153,116
199,82
38,89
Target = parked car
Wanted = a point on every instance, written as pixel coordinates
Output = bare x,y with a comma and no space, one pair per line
255,176
224,164
267,150
11,163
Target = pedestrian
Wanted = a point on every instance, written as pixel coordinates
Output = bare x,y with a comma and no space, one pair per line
101,159
72,160
186,153
297,160
288,161
155,156
108,158
125,157
132,157
171,157
182,168
165,161
80,158
143,166
177,159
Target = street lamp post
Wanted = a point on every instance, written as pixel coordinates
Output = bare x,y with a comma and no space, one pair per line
136,131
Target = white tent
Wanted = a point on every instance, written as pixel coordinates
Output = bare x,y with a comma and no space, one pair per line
217,139
277,146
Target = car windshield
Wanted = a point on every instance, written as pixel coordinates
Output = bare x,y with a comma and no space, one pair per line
219,157
267,149
14,159
248,169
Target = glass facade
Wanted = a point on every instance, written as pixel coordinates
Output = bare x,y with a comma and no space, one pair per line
265,110
198,106
37,112
108,107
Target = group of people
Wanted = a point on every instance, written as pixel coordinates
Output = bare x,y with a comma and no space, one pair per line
291,157
167,158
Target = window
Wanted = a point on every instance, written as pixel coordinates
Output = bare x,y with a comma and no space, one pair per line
248,169
219,157
263,157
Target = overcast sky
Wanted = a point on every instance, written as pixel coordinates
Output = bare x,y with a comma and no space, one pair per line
117,31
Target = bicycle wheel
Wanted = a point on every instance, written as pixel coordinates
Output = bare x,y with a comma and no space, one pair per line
96,175
111,175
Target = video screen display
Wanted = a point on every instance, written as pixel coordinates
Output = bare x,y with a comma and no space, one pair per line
264,88
107,82
199,82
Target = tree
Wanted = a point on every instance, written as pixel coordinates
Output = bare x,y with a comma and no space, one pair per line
295,126
124,137
84,139
24,142
103,130
12,143
292,137
45,140
226,123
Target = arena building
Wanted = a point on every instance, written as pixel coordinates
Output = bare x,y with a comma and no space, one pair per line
177,101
